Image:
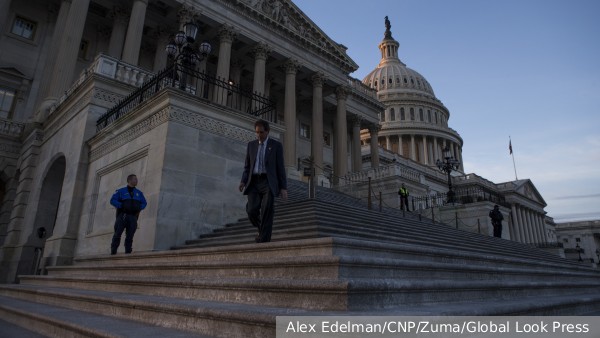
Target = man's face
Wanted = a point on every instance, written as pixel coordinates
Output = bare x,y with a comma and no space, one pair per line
261,133
132,182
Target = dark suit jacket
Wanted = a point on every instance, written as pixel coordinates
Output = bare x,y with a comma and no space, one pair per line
273,163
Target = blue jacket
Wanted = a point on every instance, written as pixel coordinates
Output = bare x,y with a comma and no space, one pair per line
124,202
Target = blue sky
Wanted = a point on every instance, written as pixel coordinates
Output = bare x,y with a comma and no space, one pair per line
528,69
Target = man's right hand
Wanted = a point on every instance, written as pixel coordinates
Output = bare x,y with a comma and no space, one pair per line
242,186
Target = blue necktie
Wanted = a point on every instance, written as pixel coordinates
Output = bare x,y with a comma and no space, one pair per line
261,158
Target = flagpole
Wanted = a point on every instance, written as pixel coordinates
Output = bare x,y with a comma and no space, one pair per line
513,157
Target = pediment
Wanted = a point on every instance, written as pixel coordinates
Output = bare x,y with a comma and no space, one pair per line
286,17
528,189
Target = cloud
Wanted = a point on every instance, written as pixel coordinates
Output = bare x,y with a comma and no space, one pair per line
577,197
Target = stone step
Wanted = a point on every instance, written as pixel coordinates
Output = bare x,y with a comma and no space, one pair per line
264,252
290,232
41,320
321,267
322,295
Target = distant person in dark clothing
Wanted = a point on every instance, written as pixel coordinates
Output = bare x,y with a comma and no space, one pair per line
263,179
129,201
403,192
497,218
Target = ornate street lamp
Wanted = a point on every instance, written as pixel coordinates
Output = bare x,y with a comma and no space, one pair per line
181,49
447,166
579,252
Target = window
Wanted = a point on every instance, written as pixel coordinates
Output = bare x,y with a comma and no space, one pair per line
7,99
392,114
305,131
327,139
390,80
405,80
412,114
83,49
436,120
428,115
421,114
23,28
402,117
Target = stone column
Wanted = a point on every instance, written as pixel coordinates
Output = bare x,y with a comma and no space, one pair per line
425,151
522,225
62,76
436,150
51,64
119,29
226,37
413,148
515,224
289,115
341,135
261,52
160,56
356,146
374,131
5,9
135,30
318,80
400,145
388,143
543,227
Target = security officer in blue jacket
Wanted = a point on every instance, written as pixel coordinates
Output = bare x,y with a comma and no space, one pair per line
129,201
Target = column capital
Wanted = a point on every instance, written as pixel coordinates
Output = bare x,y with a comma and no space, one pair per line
227,33
261,51
374,129
356,120
341,92
291,66
318,79
119,15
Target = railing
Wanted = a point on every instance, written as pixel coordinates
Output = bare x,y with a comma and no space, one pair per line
195,83
464,195
11,128
360,87
392,170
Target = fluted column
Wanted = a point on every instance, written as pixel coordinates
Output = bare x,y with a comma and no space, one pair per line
374,131
413,150
62,75
436,150
400,145
289,114
135,30
341,133
226,37
522,231
515,224
425,151
4,10
119,30
356,146
261,52
160,56
543,227
318,80
53,51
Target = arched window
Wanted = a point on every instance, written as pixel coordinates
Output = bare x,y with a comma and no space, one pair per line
392,114
402,117
421,115
412,114
428,115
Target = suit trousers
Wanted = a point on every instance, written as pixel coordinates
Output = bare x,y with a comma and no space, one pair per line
260,207
127,223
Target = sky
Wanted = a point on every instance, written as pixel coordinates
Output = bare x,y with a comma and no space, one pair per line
524,69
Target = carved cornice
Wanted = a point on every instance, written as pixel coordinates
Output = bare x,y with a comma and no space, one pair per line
178,115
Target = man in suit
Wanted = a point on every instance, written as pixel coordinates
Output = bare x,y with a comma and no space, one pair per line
263,179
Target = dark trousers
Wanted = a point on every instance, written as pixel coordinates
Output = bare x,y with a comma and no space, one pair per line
260,208
404,203
497,229
127,223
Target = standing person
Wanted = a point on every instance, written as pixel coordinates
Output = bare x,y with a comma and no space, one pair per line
129,201
497,218
263,179
403,192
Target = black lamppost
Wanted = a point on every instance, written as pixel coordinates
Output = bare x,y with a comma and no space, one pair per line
598,255
579,252
181,50
447,166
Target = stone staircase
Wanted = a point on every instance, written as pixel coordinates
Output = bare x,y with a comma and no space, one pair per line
329,256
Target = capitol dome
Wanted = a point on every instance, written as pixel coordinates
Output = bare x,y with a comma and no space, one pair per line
414,123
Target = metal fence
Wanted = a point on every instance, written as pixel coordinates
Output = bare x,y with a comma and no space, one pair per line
196,83
463,195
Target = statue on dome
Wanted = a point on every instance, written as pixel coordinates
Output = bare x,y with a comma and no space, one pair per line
388,32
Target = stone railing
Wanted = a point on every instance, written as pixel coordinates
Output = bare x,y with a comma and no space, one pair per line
474,179
392,170
11,128
359,87
112,68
